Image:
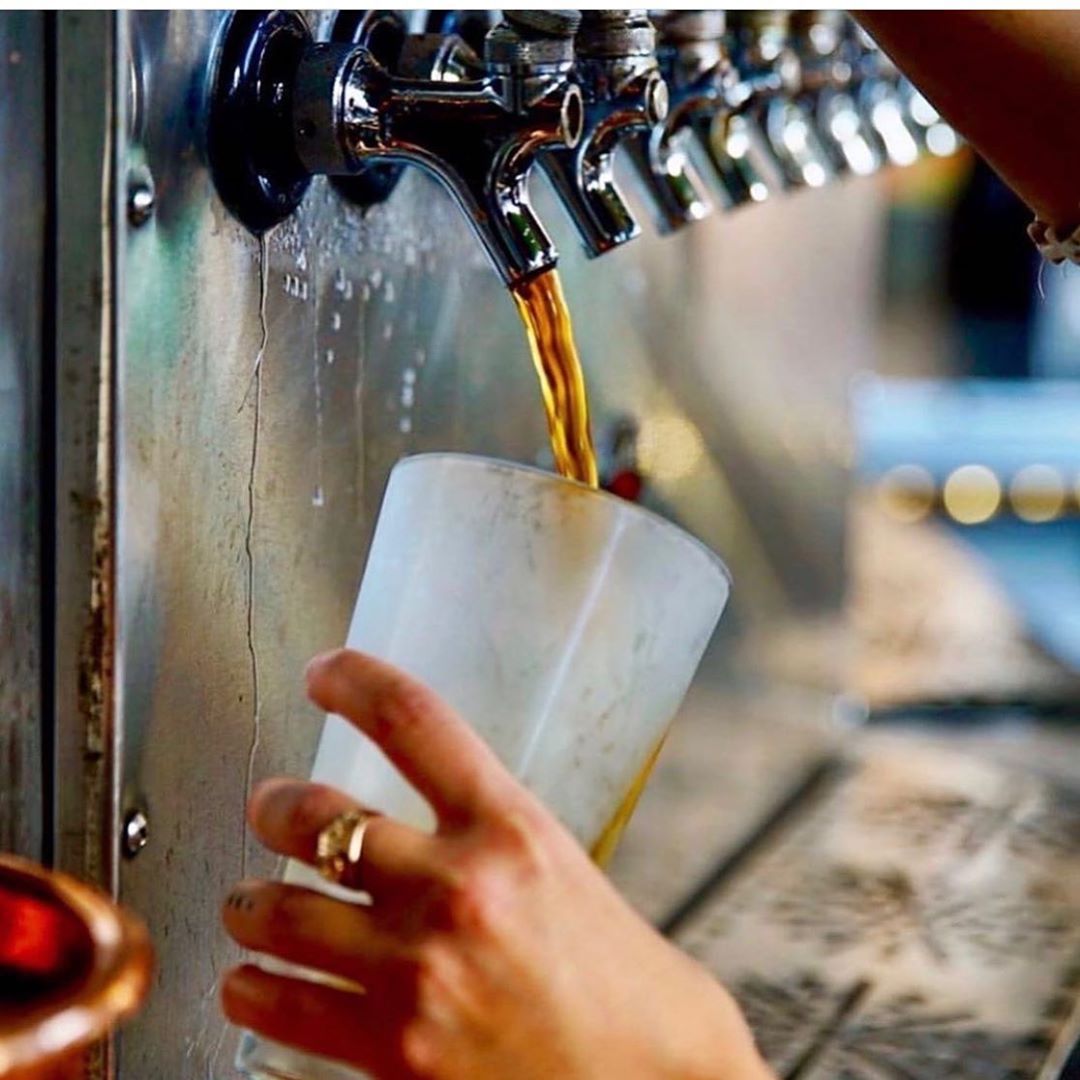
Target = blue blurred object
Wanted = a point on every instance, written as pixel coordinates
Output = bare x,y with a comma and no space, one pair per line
1055,346
1006,426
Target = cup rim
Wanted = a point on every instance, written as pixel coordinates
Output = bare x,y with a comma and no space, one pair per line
555,478
111,990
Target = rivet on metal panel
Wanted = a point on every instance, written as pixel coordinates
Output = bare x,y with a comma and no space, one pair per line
140,204
136,832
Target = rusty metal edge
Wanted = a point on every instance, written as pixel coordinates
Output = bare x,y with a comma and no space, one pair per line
89,111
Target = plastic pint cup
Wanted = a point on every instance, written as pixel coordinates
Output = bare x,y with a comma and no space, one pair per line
563,623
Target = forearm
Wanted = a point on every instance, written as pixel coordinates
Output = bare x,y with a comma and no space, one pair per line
1009,82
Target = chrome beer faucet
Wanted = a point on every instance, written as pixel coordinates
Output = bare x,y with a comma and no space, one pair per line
700,77
933,133
880,102
829,54
766,97
286,108
624,96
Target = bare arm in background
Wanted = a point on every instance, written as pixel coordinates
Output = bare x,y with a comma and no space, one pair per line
1009,82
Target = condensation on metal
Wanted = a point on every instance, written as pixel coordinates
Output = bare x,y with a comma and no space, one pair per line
384,334
22,234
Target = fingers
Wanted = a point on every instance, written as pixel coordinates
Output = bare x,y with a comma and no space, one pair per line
288,815
320,1019
433,748
305,927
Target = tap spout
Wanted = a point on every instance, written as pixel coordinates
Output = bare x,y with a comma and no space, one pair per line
624,96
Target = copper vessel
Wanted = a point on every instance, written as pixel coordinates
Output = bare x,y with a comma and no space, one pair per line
72,965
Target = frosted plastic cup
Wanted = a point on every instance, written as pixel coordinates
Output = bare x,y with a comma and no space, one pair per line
563,623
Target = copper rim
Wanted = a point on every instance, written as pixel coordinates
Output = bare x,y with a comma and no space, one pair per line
111,989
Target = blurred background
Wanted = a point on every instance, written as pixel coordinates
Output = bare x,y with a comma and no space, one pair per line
965,522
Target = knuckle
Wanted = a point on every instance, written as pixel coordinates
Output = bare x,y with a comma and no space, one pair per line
428,975
420,1052
520,837
402,706
470,902
307,813
283,919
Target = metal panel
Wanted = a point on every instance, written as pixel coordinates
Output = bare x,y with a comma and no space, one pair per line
264,391
22,236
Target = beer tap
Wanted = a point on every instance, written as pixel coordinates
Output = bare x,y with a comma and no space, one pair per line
828,54
625,96
694,62
286,108
766,97
934,135
879,100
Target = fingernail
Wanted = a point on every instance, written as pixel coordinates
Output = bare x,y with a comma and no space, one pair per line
322,660
240,899
266,788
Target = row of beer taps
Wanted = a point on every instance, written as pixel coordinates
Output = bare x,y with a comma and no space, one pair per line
709,107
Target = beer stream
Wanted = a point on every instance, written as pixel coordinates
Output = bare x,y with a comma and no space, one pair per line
542,307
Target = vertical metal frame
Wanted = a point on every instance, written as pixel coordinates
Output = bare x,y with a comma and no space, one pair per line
86,200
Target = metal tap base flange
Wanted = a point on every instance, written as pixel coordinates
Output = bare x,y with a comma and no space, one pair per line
250,141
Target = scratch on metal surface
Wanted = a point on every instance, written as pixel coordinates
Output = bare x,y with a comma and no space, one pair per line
256,714
212,1060
319,497
204,1009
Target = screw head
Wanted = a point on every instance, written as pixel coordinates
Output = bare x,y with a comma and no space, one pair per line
140,207
136,832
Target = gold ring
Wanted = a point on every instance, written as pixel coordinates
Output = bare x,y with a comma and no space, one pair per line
340,846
